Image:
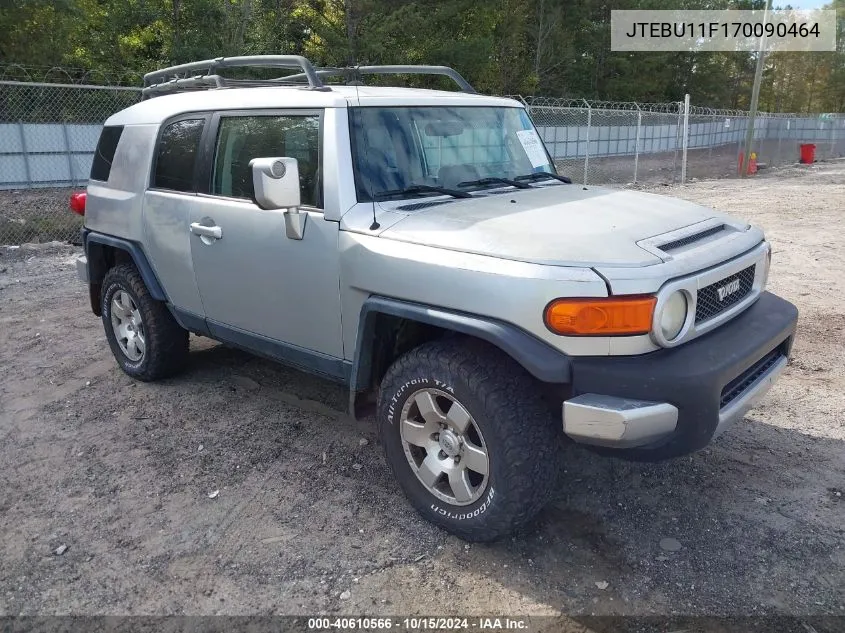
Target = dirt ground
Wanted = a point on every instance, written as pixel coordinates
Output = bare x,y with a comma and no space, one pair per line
308,519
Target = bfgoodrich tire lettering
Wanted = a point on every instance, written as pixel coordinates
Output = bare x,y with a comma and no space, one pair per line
162,348
518,433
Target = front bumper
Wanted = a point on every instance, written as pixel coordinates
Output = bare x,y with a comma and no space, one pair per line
674,401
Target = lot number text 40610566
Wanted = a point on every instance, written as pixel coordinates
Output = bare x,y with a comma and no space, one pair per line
418,624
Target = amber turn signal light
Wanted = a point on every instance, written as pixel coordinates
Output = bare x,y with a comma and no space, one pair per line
604,316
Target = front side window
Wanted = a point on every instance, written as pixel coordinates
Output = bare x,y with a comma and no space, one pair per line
242,138
176,155
398,148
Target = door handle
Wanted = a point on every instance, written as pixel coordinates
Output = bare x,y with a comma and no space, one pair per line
214,232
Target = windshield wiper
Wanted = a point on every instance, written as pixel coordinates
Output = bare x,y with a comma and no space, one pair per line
412,189
493,180
544,175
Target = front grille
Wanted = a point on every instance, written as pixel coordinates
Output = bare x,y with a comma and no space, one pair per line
710,303
738,385
689,239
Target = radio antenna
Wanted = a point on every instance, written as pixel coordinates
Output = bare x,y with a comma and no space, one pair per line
375,225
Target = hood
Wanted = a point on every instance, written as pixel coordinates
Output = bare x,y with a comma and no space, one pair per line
553,225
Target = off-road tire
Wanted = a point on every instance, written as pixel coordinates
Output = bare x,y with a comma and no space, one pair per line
166,346
522,438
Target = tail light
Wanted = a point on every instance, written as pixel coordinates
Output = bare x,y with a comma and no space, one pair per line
77,202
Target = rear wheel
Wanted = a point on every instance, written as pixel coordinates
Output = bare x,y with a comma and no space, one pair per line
468,438
144,337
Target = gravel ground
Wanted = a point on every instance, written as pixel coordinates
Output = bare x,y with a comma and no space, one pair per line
308,519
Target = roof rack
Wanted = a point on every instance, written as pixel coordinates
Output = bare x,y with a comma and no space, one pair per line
353,73
185,77
188,77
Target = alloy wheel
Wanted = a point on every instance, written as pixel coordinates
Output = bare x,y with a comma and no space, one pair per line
444,446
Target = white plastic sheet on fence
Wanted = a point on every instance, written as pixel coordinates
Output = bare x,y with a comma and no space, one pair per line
46,154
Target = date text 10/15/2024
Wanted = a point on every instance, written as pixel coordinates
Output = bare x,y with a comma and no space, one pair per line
492,623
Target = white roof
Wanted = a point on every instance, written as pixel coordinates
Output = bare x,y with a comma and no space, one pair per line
158,109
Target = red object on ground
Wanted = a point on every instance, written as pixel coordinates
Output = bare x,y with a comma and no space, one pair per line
808,153
752,163
77,202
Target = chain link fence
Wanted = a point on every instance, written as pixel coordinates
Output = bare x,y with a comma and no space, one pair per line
626,143
48,134
49,131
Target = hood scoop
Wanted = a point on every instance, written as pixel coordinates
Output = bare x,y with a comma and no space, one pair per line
668,247
693,240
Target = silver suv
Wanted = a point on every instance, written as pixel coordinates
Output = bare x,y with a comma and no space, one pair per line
420,247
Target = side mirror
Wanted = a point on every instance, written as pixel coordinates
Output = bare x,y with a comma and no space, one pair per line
276,185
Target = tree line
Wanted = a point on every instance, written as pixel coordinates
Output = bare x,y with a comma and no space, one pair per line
558,48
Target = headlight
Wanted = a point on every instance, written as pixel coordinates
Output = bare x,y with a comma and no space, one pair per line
674,315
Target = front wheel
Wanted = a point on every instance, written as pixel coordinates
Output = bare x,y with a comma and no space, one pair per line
468,437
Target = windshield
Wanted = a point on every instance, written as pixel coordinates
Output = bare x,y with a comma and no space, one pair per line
405,152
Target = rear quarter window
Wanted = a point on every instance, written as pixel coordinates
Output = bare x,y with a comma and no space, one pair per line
104,154
176,155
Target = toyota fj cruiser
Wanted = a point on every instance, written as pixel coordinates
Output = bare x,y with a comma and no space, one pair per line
419,247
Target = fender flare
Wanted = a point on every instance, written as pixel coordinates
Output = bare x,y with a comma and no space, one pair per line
538,358
97,267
